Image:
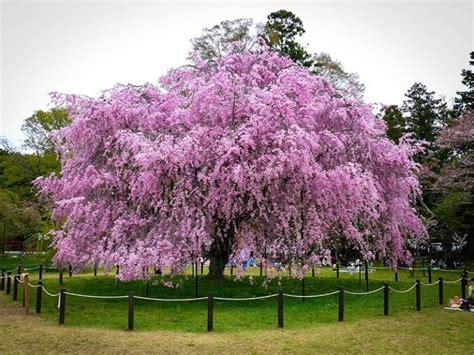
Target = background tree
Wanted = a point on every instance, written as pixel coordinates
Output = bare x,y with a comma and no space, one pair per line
425,114
465,101
396,123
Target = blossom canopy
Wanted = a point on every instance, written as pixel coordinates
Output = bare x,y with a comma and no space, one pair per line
248,154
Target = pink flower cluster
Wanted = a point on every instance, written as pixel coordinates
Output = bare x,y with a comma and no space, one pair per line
152,175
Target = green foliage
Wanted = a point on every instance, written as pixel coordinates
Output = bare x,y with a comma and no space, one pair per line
425,114
465,101
38,127
396,123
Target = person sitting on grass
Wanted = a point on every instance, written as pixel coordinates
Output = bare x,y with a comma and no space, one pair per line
455,302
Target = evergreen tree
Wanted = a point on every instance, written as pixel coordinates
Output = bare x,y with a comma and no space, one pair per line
465,101
425,114
396,123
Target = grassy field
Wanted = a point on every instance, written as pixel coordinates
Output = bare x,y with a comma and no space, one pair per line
249,326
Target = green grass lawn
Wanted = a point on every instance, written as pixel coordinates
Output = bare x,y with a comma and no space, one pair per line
231,316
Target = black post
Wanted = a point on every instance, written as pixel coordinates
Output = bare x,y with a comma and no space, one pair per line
62,306
366,276
360,273
440,291
465,273
423,266
95,269
385,299
192,269
261,268
337,270
15,288
463,286
40,272
130,310
4,275
116,277
19,270
60,275
39,293
70,270
302,288
341,304
280,309
210,313
429,274
312,271
418,295
202,267
147,288
396,276
196,285
231,269
9,282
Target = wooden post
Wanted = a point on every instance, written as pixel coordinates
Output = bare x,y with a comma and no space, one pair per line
302,289
337,270
39,294
396,276
26,294
210,313
70,270
429,274
196,285
366,276
418,295
341,304
15,287
312,271
61,275
116,276
130,310
4,275
40,272
440,291
62,306
385,299
280,309
463,286
9,282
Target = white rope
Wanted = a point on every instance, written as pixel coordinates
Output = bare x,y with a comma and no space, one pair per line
91,296
245,299
452,282
311,296
429,284
18,280
365,293
170,299
50,294
30,268
34,286
404,291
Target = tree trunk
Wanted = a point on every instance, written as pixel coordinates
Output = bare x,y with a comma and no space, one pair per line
219,254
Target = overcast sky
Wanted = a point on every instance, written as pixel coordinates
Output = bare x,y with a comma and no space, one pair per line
84,47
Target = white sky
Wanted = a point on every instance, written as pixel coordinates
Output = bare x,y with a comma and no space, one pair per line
84,47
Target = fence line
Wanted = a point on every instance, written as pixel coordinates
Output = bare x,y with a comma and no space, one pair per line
403,291
365,293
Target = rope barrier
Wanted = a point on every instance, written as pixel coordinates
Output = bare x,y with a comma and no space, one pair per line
365,293
402,291
311,296
18,280
50,294
34,286
452,282
429,284
171,299
91,296
245,298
